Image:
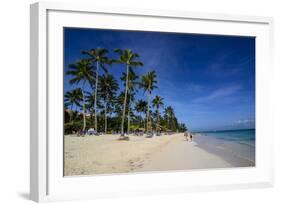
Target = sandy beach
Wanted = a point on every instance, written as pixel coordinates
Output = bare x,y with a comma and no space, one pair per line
105,155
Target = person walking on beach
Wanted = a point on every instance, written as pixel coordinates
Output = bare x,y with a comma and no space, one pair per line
191,137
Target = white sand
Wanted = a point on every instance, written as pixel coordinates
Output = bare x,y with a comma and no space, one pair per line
183,156
105,154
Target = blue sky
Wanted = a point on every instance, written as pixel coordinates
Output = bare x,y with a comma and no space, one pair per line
208,79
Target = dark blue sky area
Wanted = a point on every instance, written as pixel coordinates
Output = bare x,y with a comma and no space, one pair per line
208,79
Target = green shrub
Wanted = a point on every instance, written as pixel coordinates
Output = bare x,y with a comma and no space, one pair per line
72,127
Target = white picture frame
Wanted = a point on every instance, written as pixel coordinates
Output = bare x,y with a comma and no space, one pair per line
46,180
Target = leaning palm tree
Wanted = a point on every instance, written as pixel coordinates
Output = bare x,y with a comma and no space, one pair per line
157,102
148,82
82,73
99,59
132,84
73,97
107,88
128,58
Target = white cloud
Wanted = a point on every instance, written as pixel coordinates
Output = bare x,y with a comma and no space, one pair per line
218,94
244,121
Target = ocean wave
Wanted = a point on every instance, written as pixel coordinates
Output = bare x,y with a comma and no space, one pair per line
247,143
235,153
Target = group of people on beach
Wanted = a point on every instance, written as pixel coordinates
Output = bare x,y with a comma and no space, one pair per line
188,136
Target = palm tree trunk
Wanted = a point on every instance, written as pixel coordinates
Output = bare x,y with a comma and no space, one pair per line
125,100
128,129
148,116
144,124
140,122
84,113
105,117
95,102
71,113
157,127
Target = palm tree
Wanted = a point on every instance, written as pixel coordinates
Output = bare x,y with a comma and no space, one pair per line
99,58
71,98
128,58
141,107
131,96
182,127
82,73
157,102
90,102
132,77
148,82
170,115
108,88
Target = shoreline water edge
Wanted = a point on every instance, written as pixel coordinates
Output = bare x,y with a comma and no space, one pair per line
235,146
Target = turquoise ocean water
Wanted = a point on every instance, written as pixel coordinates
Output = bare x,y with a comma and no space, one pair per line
238,146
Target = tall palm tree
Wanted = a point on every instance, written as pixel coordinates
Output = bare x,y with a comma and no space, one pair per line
73,97
108,88
157,102
131,98
82,73
148,82
132,83
99,59
128,58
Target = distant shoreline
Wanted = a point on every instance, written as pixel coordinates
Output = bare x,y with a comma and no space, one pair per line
225,130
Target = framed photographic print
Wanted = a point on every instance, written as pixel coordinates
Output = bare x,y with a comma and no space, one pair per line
129,102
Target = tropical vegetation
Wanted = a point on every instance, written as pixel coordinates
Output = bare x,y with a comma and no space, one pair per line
101,102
